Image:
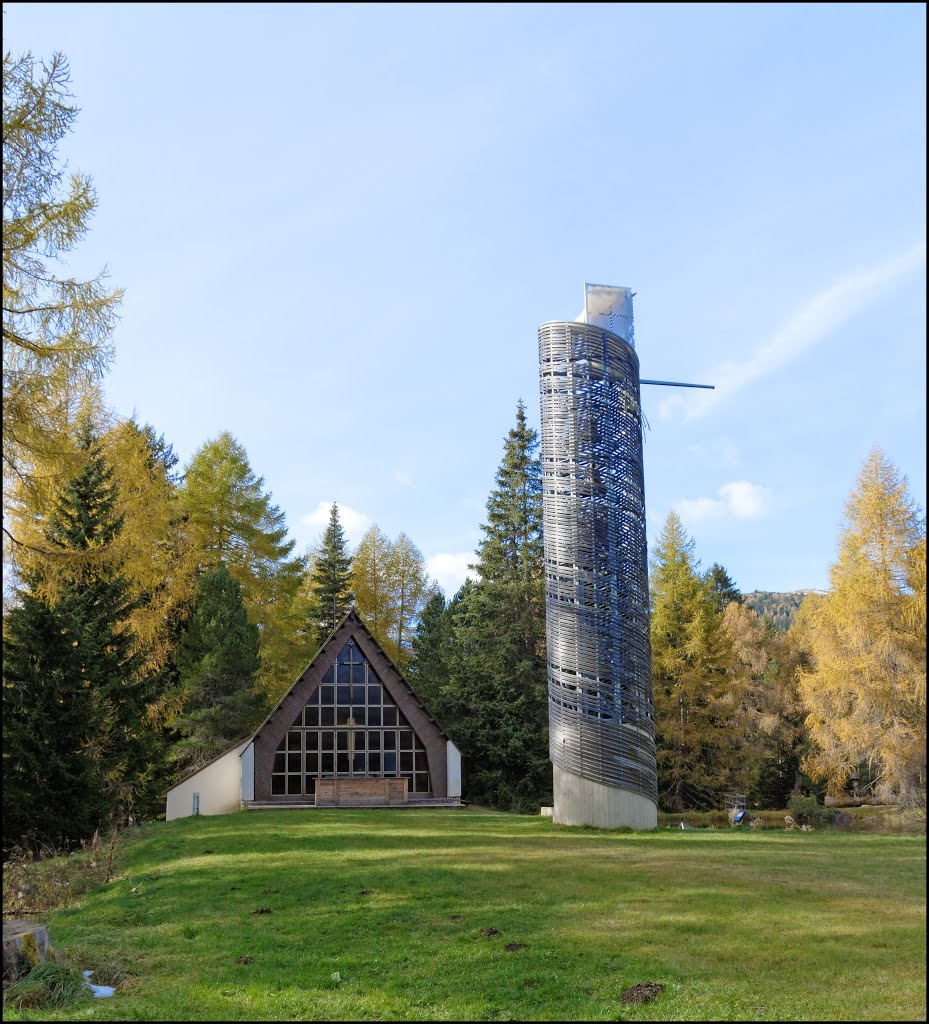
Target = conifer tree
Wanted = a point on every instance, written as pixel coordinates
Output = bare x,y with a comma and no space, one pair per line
391,588
217,661
56,331
231,519
371,583
768,720
52,790
695,699
330,580
865,693
721,586
411,588
497,696
429,669
73,674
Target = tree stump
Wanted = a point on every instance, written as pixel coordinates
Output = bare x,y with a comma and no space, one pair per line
24,945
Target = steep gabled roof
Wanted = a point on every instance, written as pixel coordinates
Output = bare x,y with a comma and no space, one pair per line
325,653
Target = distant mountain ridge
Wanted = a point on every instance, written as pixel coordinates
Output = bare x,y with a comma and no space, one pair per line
779,607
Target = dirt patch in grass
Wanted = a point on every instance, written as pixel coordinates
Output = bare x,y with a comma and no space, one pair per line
644,992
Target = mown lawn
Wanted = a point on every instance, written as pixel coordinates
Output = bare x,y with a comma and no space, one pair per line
380,915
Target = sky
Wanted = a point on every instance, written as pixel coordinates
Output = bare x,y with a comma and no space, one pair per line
338,228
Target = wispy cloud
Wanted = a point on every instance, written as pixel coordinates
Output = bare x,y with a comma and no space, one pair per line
354,523
809,325
404,478
450,570
737,500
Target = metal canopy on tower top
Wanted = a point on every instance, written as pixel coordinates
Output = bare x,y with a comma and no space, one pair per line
610,307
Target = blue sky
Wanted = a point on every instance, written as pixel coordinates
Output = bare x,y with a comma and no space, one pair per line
339,228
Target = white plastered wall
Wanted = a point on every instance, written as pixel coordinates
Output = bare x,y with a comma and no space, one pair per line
219,785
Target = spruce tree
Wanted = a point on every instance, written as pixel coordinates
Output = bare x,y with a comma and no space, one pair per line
498,688
89,700
428,671
217,662
52,790
330,581
721,586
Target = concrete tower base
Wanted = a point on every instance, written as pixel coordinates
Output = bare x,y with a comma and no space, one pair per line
582,802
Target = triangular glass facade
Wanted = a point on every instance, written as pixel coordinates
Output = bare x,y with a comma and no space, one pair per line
350,728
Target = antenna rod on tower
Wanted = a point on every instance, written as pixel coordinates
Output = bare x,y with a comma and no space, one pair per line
677,384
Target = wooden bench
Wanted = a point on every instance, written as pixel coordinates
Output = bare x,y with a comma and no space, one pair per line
348,792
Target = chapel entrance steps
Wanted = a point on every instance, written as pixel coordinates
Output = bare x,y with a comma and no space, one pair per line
412,803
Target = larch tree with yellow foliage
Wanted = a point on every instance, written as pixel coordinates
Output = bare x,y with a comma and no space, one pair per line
371,582
230,518
865,694
56,329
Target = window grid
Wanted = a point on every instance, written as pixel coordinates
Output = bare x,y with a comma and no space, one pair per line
349,728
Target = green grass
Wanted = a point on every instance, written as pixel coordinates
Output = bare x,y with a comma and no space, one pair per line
48,984
738,925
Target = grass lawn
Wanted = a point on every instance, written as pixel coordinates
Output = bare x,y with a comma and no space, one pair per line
380,915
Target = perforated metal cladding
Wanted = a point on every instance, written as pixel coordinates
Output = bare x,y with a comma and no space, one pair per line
596,576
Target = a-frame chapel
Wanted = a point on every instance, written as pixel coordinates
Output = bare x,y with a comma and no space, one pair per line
349,732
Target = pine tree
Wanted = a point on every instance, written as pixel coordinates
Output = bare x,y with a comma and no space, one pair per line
866,691
102,671
695,699
217,661
497,695
330,581
56,331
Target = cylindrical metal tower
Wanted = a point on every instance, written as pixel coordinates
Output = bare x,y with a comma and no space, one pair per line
602,733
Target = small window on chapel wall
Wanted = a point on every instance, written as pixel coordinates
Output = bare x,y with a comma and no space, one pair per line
349,728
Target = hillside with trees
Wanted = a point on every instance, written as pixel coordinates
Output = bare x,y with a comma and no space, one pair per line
780,607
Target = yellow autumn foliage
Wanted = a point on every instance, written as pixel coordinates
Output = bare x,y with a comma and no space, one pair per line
865,694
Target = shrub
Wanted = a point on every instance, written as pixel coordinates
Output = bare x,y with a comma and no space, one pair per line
36,883
807,810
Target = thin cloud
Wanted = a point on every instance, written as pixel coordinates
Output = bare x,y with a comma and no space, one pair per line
809,325
737,500
354,523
